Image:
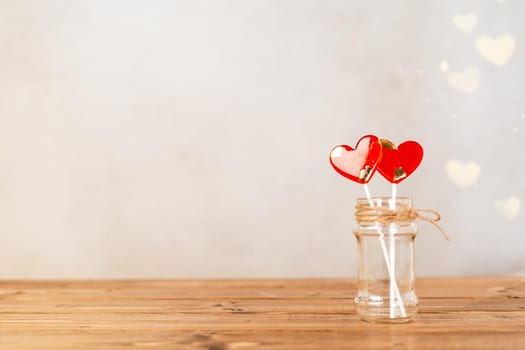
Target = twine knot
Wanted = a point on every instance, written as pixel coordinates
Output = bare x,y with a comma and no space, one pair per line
385,216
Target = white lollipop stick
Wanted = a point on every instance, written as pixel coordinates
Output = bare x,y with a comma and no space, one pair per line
392,271
387,261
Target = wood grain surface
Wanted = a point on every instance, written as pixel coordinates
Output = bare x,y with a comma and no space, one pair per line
455,313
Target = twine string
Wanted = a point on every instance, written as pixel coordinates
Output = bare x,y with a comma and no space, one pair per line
386,216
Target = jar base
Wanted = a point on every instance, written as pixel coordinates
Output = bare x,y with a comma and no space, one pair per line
387,320
379,313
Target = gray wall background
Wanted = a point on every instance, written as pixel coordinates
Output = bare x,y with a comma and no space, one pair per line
191,138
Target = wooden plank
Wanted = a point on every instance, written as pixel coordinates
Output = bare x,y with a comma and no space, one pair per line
455,313
309,288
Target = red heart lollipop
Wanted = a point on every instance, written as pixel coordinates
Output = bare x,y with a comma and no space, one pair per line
357,164
397,164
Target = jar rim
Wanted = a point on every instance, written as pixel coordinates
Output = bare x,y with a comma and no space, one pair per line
380,201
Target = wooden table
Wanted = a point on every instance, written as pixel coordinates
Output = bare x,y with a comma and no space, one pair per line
455,313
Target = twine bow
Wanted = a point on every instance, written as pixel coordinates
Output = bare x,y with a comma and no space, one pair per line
365,213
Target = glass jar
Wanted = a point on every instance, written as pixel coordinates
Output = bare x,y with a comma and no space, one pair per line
385,231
